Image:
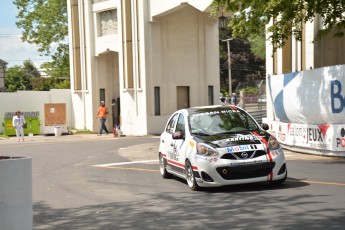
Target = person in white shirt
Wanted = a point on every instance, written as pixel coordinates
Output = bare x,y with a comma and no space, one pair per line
18,122
233,99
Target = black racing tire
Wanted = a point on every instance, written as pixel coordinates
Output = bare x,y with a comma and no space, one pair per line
190,177
278,182
162,167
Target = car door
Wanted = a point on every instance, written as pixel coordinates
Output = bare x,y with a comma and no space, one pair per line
179,143
173,141
166,138
179,146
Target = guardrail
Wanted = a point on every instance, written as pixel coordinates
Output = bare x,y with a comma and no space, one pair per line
256,110
258,115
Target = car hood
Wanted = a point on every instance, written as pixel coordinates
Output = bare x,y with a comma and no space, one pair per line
234,139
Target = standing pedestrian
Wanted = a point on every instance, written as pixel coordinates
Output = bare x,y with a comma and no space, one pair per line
233,99
18,121
102,115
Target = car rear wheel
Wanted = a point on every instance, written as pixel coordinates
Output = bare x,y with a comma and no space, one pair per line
190,177
162,167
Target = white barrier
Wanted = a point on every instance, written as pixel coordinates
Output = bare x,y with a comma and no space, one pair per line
34,101
16,193
317,139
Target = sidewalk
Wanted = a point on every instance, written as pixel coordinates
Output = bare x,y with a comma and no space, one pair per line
52,138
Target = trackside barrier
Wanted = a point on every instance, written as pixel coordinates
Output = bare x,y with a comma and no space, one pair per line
325,139
16,193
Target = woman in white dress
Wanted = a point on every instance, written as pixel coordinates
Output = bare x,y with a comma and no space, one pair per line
18,121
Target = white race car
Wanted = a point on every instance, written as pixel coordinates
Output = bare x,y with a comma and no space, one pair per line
219,145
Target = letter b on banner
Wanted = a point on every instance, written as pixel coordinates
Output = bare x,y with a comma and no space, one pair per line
336,96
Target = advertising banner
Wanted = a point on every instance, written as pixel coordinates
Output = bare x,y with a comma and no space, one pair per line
309,97
324,138
309,109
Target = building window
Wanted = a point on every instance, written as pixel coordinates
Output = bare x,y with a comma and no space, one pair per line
171,124
182,97
210,95
157,101
102,95
180,126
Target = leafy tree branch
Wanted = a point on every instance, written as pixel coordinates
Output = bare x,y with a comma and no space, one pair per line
288,16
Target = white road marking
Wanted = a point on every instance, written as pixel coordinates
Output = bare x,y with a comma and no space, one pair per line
125,163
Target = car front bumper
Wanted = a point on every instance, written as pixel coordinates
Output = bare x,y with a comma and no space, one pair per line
213,171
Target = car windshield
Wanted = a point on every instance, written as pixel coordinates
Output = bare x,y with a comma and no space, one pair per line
220,122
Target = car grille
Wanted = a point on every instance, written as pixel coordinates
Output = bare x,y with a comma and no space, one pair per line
241,156
245,171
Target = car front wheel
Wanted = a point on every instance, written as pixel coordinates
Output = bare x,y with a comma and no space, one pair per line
162,167
278,182
190,177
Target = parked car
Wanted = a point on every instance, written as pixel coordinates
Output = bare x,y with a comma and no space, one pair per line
219,145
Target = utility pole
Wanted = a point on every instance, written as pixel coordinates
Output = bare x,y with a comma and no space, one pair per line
229,64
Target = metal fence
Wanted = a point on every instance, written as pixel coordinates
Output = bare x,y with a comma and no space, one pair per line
255,105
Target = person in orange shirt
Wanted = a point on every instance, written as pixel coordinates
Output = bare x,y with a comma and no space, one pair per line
102,115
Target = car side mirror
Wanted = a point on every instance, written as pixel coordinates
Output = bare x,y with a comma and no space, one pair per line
265,126
178,135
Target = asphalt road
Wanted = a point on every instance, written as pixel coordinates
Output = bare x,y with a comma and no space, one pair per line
91,182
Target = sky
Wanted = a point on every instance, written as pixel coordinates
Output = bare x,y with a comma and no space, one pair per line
12,49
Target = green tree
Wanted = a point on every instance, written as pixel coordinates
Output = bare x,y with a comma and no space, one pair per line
27,77
246,66
45,24
249,16
16,79
21,77
258,44
60,66
30,70
46,84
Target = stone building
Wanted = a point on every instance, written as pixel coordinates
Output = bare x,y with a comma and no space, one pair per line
308,53
144,58
2,75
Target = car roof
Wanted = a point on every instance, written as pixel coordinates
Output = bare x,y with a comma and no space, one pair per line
203,109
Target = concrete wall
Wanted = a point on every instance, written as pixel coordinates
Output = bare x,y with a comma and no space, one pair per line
27,101
329,51
161,7
184,50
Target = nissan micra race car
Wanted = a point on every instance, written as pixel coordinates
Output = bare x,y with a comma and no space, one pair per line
219,145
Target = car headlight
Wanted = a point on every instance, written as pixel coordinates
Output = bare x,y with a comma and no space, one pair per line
273,143
205,150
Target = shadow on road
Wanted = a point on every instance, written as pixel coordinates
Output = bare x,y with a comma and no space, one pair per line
254,206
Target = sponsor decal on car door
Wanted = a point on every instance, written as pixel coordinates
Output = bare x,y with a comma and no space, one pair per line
166,138
177,155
